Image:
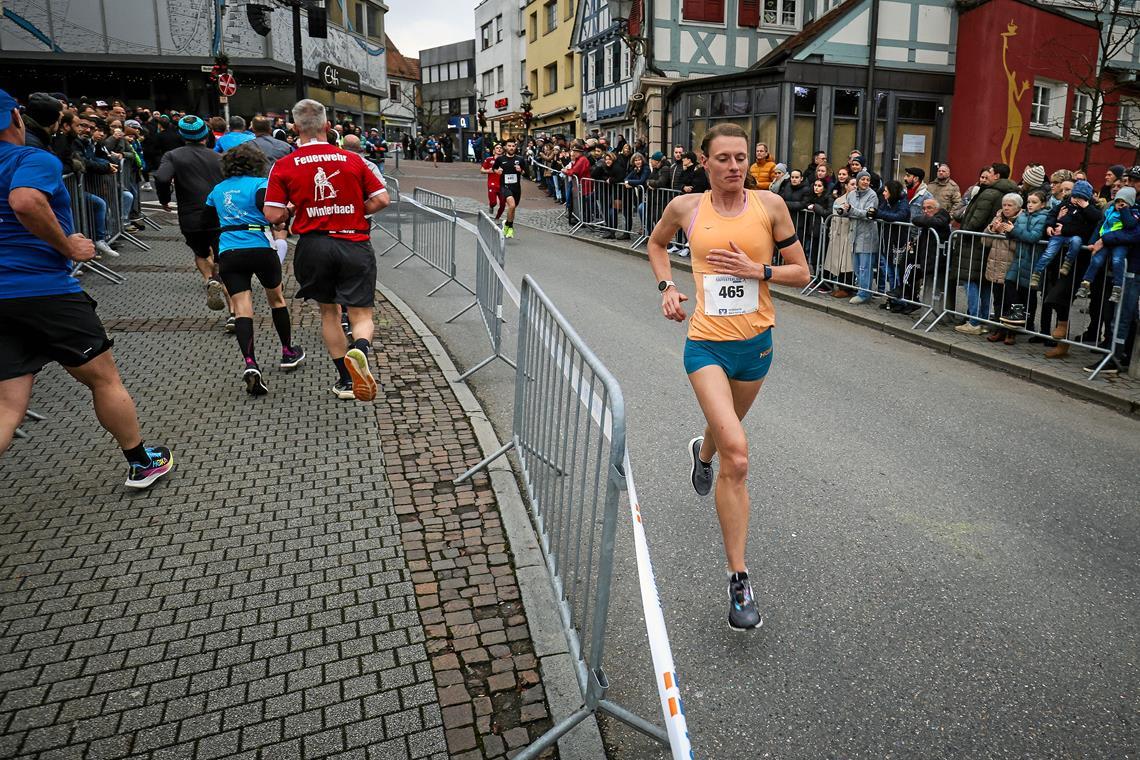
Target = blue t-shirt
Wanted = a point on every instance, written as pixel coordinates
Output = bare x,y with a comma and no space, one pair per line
236,201
29,266
231,140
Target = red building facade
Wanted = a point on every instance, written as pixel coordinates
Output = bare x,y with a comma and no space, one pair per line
1023,74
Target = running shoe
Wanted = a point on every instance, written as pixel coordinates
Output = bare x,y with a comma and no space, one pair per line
742,612
343,390
104,248
292,357
215,296
702,473
508,231
143,476
231,324
254,384
363,383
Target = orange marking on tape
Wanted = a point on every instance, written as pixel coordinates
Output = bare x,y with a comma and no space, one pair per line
672,707
668,680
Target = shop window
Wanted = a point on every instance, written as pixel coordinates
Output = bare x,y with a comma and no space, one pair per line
917,110
748,13
804,99
698,105
766,126
1047,109
1081,119
732,103
845,124
781,13
711,11
767,100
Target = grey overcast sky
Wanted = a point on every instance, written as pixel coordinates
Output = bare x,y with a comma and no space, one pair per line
415,25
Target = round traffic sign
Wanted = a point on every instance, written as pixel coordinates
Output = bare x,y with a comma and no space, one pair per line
227,85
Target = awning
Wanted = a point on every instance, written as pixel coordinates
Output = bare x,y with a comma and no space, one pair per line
555,112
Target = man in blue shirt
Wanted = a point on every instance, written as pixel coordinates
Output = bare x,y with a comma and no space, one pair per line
44,315
236,136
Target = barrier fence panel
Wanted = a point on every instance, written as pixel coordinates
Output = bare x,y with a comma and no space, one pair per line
556,183
491,282
569,434
86,219
649,209
393,216
995,275
127,193
610,207
433,234
898,261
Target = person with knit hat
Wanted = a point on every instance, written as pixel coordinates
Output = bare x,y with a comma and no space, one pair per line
194,169
1119,216
1113,179
1032,178
779,177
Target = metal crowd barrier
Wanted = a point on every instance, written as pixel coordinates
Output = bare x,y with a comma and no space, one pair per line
490,283
569,435
84,215
974,277
902,264
433,234
393,187
560,183
652,205
607,205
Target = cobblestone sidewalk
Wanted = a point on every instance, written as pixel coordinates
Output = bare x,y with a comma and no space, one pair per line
307,584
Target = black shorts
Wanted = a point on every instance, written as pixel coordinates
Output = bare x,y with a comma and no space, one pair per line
41,329
236,268
203,244
332,270
511,191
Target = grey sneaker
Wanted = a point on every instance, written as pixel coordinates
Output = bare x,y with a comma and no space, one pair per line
702,473
1117,292
215,296
1084,290
742,612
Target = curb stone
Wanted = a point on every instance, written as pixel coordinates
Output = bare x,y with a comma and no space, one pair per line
1075,388
584,742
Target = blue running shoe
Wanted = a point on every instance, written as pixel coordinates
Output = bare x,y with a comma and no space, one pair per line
144,476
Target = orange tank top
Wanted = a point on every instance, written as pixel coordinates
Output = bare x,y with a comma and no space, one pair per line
730,308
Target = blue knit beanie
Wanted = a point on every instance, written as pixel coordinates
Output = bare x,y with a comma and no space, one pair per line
1083,190
192,128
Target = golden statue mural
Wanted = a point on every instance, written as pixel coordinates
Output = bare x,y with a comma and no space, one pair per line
1014,122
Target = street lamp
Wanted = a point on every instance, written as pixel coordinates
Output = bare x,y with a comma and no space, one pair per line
620,12
526,95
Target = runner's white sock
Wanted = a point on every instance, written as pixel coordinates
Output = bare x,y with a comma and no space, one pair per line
282,247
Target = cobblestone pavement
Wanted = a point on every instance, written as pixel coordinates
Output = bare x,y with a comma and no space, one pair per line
308,583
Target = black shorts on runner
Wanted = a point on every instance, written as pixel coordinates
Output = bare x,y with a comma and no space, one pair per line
203,244
39,330
514,191
237,267
332,270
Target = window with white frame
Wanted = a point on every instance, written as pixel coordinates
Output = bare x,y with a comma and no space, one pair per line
498,79
1081,120
486,35
1128,123
781,13
1047,109
608,66
487,81
499,28
591,74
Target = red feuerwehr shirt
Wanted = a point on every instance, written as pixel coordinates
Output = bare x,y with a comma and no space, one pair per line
328,186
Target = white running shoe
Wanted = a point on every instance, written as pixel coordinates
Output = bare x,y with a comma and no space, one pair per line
102,247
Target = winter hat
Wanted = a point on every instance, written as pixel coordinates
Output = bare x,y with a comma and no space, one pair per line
1117,170
857,160
1061,175
916,171
1125,194
1083,190
782,168
193,128
134,123
1134,173
658,156
862,174
43,109
1034,175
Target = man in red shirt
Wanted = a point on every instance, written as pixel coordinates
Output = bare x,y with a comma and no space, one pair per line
332,191
493,181
579,167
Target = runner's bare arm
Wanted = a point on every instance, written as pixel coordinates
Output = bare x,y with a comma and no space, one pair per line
376,203
275,214
794,271
33,210
671,220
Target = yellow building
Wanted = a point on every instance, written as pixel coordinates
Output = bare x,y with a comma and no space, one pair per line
552,68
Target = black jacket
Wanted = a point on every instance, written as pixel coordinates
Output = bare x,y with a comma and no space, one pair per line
195,170
795,197
37,137
696,178
1077,221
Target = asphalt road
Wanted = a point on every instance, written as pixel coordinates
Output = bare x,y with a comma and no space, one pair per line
946,556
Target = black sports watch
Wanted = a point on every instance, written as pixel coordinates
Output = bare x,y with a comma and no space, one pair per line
665,285
767,272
